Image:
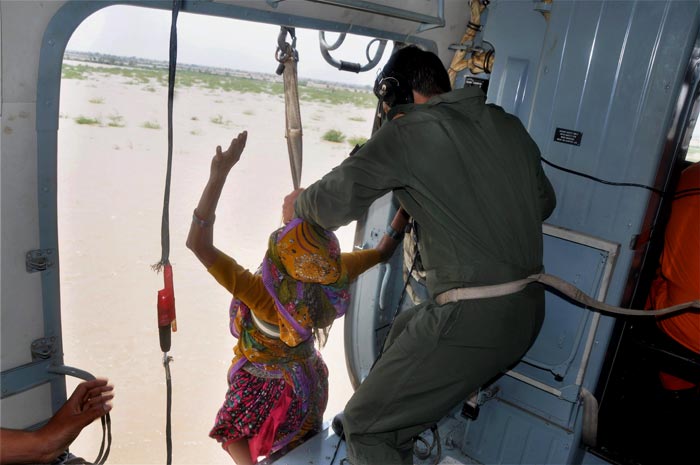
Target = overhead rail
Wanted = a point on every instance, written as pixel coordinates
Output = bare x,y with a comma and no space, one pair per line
426,21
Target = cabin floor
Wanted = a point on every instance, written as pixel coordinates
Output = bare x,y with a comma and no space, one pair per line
326,449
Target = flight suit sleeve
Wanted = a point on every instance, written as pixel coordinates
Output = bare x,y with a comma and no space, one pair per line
547,197
348,190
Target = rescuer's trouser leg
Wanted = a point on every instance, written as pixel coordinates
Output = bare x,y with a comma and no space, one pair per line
433,359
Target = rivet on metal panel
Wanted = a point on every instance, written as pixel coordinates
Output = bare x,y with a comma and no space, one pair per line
39,260
43,348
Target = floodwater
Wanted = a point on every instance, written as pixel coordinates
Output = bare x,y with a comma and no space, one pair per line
110,186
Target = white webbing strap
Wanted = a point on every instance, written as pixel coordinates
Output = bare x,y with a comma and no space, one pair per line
268,329
566,288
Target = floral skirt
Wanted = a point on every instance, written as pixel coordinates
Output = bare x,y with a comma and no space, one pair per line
272,410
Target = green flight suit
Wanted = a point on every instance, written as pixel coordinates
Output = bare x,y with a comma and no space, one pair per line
471,177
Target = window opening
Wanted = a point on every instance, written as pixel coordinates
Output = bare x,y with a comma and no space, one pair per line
693,154
112,149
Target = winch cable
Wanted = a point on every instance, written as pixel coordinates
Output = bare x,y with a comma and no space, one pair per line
166,296
288,56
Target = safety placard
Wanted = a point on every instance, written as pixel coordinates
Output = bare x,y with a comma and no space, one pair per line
567,136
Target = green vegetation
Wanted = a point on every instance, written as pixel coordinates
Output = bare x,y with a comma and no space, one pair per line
89,121
357,141
249,112
337,96
333,135
356,118
116,121
151,125
97,100
222,82
218,119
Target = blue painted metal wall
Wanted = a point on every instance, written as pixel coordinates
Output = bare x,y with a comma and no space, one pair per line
613,71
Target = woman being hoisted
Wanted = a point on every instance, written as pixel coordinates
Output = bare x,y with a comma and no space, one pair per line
278,382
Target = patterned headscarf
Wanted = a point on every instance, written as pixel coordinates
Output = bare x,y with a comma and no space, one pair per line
303,273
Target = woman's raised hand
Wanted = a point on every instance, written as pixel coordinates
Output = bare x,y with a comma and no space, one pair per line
222,162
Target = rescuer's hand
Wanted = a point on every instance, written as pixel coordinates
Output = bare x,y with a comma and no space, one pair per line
288,205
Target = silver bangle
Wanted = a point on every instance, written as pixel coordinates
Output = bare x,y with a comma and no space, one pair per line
200,222
393,233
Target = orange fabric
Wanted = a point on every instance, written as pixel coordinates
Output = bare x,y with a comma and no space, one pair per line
309,254
678,277
249,289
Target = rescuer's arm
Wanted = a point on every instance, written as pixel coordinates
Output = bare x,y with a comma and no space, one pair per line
201,236
548,199
349,189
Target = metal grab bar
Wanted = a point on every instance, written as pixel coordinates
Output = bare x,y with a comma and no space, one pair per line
345,65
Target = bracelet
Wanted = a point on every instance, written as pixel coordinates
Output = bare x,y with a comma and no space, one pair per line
200,222
393,233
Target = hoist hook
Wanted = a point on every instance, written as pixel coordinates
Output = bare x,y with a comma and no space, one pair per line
285,50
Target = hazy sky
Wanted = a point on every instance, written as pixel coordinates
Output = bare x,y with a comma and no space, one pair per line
206,40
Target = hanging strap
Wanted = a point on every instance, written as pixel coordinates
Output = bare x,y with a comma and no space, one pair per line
166,296
288,57
555,282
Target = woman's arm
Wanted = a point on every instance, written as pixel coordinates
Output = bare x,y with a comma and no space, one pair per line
359,261
200,240
388,243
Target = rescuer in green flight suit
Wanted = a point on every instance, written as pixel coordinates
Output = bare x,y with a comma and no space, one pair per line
470,176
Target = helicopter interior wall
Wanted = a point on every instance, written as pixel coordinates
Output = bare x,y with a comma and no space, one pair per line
22,319
621,98
611,72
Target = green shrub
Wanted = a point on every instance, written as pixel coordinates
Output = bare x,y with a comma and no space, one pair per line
151,125
89,121
333,135
357,141
116,121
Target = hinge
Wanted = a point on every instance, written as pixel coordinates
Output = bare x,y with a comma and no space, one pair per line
39,260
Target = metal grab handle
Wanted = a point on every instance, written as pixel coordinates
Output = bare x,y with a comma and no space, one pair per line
346,65
324,44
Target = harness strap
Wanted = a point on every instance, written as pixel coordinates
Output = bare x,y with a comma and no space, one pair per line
268,329
566,288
